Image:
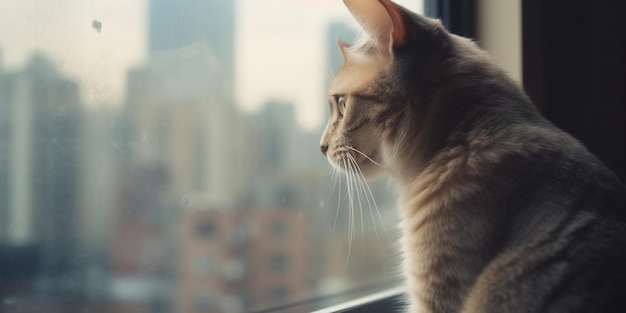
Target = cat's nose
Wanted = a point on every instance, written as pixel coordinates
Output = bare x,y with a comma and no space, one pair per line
324,149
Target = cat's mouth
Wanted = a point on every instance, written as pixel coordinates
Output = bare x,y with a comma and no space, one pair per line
348,158
341,158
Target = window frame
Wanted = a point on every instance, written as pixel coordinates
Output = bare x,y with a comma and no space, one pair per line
388,300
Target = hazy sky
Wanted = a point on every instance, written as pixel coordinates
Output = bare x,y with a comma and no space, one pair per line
62,30
279,44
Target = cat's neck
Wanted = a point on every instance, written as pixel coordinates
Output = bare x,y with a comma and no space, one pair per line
450,125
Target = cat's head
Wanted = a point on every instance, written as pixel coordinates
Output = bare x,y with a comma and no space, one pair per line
374,96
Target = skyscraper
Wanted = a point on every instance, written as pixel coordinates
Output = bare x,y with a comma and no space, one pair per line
39,126
185,134
174,24
5,133
182,99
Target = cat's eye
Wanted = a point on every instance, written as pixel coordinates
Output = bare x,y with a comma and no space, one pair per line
341,103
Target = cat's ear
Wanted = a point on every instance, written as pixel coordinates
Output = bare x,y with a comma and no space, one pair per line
343,47
401,29
383,20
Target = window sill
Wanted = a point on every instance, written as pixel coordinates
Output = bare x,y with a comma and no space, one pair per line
370,299
390,300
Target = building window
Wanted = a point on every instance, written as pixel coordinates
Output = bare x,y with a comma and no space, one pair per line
279,229
279,294
278,262
206,229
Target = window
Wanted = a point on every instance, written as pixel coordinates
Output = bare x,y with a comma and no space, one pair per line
279,229
206,229
279,294
155,154
278,262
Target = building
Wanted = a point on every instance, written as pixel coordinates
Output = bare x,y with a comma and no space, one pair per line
242,260
184,139
182,102
5,165
40,128
187,126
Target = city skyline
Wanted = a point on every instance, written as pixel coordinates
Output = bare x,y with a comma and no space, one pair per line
96,201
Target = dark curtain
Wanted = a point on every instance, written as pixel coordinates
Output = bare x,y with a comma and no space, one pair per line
574,68
457,16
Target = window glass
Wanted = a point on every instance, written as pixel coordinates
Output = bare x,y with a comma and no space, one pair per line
163,156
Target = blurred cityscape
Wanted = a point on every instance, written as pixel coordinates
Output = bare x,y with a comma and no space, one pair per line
174,201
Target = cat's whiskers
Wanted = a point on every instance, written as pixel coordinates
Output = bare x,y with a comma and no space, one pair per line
365,155
332,184
349,187
369,194
360,179
356,187
359,185
335,182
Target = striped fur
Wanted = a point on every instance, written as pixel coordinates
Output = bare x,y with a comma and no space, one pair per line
501,210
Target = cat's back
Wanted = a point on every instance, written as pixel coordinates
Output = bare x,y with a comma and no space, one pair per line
563,246
553,169
543,220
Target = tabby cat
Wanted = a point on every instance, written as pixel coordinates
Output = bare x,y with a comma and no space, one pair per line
501,211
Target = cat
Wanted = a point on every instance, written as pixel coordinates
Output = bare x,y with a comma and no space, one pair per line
501,210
